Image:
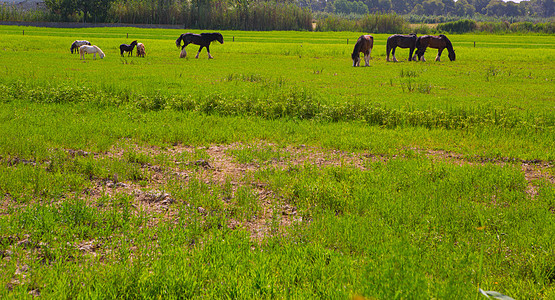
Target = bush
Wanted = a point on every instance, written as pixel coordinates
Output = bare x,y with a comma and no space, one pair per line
375,23
461,26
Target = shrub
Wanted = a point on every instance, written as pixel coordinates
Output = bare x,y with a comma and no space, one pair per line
461,26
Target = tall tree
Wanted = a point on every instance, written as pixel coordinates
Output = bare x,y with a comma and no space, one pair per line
95,10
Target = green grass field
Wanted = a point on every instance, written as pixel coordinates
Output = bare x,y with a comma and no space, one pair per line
275,170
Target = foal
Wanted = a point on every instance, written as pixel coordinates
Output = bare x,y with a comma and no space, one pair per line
127,48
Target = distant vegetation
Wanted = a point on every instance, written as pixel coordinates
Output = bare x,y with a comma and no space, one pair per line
382,16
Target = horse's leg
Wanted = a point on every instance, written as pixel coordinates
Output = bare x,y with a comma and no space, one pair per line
199,49
208,50
438,57
393,52
388,50
411,57
367,59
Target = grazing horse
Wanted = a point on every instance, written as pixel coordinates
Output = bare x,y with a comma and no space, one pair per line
127,48
75,46
364,44
438,42
203,40
90,50
141,50
401,41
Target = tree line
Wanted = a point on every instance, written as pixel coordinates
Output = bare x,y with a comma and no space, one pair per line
499,8
359,15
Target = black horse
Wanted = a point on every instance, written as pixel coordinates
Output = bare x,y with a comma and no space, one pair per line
127,48
401,41
75,46
203,40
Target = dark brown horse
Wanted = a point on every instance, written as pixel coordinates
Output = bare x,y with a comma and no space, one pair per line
401,41
127,48
203,40
364,44
437,42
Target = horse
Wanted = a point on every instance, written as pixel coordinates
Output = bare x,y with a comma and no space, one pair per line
90,50
127,48
438,42
141,50
203,40
75,45
401,41
364,44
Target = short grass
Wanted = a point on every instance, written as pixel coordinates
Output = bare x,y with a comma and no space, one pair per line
275,170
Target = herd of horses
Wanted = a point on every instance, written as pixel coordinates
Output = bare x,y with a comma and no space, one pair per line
364,45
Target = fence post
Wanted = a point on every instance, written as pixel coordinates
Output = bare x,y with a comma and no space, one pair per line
474,44
233,39
23,32
347,41
128,35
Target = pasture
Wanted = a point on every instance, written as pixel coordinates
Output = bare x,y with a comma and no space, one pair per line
276,169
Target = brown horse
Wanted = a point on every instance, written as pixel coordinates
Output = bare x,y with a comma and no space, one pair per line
364,44
141,50
437,42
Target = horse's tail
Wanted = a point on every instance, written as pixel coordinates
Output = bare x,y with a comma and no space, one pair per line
418,45
389,44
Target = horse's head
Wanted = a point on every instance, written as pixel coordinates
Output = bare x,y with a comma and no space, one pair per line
133,43
219,37
356,59
452,55
178,41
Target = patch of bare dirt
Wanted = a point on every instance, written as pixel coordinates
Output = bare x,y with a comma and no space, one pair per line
219,166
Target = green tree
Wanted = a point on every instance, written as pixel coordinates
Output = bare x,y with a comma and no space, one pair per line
433,7
95,10
463,8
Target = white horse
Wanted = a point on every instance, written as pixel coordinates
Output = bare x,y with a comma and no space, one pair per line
90,50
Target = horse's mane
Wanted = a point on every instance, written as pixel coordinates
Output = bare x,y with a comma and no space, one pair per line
213,36
178,41
98,50
448,44
356,50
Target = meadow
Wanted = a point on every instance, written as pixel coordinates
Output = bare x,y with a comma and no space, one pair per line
276,169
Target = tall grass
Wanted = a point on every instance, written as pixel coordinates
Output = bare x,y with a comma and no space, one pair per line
375,23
